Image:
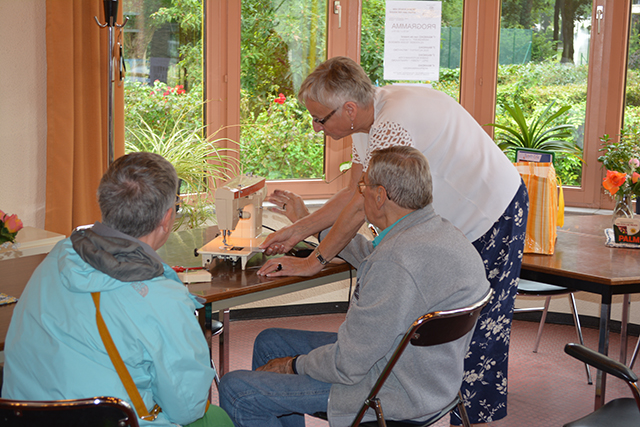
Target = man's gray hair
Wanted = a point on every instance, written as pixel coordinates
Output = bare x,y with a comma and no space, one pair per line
336,81
404,172
136,192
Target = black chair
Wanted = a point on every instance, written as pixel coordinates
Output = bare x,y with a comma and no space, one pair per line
621,412
215,328
538,289
431,329
91,412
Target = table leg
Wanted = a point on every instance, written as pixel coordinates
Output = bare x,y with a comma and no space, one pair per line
623,330
603,348
224,342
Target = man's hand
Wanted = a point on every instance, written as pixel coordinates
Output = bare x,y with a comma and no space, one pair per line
282,365
290,266
289,204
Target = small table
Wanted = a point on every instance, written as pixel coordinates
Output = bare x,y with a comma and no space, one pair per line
231,286
16,267
581,261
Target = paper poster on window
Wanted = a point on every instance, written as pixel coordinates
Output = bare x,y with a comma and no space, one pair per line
412,40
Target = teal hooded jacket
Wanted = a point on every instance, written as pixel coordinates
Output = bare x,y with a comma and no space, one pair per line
53,349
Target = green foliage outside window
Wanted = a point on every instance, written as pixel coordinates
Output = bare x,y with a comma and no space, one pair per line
161,106
279,142
281,43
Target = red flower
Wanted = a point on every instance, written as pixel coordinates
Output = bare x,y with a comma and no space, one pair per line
280,99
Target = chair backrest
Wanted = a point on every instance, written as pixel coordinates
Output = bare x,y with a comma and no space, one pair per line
438,327
95,411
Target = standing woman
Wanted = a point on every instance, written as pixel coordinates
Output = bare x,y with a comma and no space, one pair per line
475,187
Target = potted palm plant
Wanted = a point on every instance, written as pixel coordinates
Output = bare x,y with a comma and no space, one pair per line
541,134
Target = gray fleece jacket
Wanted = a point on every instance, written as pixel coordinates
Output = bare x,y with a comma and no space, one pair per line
423,264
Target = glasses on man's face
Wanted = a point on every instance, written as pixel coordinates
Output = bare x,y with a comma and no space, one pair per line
362,185
325,118
178,202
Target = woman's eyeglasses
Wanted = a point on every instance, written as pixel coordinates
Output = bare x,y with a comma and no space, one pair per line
327,117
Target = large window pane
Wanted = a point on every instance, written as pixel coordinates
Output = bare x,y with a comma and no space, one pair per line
372,44
164,96
544,49
632,94
163,56
282,41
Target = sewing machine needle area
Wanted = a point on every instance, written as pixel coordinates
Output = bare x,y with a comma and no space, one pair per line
239,213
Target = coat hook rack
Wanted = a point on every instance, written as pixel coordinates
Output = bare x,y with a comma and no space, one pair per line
111,18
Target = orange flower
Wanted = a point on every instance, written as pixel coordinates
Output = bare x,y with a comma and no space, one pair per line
613,181
634,177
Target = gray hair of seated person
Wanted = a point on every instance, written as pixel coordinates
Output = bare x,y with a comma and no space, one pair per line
404,172
336,81
136,192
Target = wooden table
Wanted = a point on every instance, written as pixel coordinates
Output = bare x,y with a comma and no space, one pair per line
231,286
581,261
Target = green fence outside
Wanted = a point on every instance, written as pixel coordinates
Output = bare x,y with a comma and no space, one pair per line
515,46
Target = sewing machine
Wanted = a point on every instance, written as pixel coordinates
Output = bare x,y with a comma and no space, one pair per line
239,213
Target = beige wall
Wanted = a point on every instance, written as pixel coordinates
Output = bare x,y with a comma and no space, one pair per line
23,109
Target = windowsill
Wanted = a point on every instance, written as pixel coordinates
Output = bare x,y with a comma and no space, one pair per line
569,210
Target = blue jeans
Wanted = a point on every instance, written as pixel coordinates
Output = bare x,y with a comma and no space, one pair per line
268,399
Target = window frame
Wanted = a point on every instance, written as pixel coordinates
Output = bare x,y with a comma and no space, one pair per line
478,82
605,86
222,86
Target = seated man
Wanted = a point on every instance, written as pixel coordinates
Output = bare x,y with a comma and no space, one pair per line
419,263
53,349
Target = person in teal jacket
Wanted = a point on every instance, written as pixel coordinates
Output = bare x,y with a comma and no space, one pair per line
53,349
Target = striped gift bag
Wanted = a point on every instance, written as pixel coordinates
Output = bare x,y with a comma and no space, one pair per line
546,206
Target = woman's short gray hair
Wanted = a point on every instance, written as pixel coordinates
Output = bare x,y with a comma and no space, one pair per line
336,81
136,192
404,172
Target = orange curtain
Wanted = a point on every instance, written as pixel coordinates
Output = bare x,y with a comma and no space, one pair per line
77,108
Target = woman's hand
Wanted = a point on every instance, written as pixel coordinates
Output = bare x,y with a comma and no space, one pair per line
290,266
281,241
288,204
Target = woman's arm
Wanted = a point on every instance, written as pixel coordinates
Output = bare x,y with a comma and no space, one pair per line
287,237
345,228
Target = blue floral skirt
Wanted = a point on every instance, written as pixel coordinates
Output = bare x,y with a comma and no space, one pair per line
484,388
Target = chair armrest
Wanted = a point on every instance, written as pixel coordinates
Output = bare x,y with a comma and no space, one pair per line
600,361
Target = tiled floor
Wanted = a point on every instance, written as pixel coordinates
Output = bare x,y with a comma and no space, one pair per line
547,388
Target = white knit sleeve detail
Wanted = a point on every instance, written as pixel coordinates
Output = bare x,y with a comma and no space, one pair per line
385,135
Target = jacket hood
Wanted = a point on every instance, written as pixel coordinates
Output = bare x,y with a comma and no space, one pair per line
120,257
